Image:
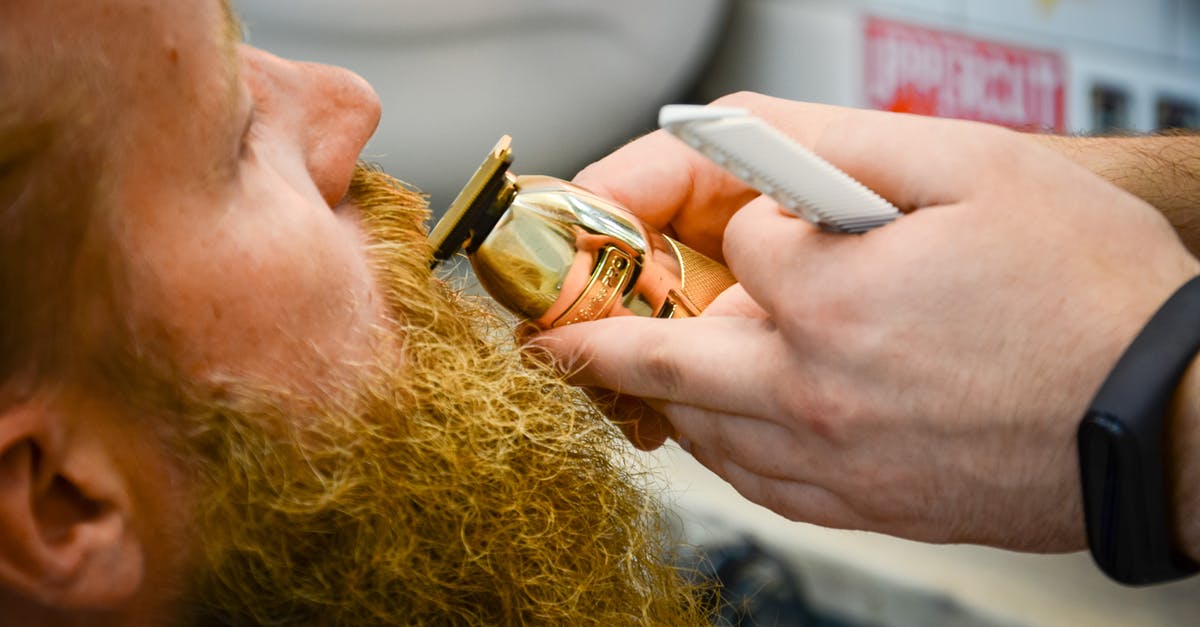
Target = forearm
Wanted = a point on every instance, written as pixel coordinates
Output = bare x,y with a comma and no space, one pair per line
1162,170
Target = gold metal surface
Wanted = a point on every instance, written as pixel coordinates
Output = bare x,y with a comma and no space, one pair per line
703,279
482,193
557,254
549,254
608,282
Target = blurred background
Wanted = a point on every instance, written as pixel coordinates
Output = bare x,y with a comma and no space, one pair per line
570,80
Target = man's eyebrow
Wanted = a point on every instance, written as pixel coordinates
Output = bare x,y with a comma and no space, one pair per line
234,33
228,38
231,34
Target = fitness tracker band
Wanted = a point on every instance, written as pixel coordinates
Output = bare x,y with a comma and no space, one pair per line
1123,449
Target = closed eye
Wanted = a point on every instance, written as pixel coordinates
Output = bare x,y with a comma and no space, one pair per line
248,131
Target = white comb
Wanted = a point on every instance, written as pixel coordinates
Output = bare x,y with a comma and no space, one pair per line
774,164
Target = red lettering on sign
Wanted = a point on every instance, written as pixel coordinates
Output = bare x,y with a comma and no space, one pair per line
931,72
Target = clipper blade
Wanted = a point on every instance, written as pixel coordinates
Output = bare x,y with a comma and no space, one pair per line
556,254
477,207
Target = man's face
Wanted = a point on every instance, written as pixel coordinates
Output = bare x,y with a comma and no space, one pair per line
233,198
357,444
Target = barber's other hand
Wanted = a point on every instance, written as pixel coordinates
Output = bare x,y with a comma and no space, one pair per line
924,379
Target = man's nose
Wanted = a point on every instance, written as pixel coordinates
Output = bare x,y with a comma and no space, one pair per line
332,112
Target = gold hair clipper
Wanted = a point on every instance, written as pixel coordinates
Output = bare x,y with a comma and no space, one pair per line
557,254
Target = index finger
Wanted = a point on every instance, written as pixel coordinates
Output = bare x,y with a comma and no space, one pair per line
671,187
668,184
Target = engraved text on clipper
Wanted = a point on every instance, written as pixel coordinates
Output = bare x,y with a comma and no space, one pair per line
603,290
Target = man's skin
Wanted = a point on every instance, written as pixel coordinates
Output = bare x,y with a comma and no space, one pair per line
1163,170
279,261
925,379
231,392
218,247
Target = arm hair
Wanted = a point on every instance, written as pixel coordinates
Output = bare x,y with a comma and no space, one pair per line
1163,170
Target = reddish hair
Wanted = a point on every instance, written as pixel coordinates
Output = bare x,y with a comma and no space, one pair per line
53,178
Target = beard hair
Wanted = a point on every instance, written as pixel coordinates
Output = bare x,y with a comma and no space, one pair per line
451,481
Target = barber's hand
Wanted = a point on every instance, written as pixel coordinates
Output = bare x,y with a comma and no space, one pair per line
924,379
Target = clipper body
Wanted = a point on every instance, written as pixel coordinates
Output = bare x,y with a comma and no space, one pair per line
554,253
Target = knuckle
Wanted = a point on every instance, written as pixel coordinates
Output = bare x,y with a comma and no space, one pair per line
816,412
661,366
744,234
826,315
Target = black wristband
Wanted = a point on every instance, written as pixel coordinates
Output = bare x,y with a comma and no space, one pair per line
1124,450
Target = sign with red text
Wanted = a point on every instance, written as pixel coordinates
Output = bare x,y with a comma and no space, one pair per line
931,72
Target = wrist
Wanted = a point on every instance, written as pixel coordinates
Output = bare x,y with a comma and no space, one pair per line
1133,451
1185,464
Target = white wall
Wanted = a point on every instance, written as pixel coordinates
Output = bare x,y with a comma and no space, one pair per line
568,80
812,49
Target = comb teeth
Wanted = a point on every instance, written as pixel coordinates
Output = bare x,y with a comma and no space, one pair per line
771,162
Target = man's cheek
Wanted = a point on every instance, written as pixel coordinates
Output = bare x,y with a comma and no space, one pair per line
265,307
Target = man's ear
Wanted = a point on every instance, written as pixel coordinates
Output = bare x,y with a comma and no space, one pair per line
66,537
